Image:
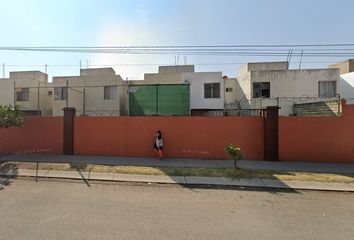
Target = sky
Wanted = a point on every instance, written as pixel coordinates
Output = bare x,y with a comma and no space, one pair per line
165,22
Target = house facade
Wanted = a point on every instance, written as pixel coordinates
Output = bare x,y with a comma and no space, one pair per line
29,90
96,92
206,88
274,84
344,67
180,90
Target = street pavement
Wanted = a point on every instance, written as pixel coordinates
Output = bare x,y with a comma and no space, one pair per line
62,210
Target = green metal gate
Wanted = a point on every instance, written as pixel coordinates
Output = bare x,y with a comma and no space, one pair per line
159,100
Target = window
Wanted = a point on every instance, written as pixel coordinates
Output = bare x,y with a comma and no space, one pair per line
60,93
261,89
22,95
229,89
327,89
212,90
110,92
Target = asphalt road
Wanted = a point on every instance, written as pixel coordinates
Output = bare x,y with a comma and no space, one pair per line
62,210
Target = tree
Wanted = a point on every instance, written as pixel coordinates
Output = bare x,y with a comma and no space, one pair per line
10,117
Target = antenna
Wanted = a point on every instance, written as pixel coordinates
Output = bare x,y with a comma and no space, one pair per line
290,55
287,57
302,52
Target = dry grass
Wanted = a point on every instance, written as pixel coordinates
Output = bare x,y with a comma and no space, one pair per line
205,172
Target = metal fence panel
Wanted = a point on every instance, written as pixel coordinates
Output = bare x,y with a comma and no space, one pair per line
143,100
173,100
162,100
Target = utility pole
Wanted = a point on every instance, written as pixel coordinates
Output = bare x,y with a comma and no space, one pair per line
224,93
128,96
3,70
14,93
84,103
67,93
38,111
46,75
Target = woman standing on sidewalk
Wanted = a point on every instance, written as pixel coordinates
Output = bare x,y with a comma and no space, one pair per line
158,145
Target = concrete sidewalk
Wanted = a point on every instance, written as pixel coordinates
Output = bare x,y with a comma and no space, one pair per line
119,161
181,180
298,166
187,163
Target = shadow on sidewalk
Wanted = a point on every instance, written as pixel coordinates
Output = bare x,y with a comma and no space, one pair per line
187,177
230,178
8,171
80,167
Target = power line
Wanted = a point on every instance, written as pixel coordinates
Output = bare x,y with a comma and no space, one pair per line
196,53
321,50
144,64
195,46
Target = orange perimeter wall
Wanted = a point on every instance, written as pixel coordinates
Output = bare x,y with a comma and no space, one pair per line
184,137
321,139
39,135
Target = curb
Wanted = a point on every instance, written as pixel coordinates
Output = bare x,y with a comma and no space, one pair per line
218,182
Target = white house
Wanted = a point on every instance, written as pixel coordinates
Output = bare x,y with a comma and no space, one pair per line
346,89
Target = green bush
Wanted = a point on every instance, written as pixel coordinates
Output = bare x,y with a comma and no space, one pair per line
10,117
235,152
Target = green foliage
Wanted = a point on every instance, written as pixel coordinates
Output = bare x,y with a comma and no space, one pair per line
235,152
78,166
10,117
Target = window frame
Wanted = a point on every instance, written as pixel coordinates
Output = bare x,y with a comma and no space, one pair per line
261,89
63,94
22,96
326,82
213,94
110,96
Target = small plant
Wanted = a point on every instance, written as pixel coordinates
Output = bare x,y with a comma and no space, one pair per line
235,153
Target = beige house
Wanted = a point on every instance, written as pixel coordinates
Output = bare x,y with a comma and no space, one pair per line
101,92
274,84
29,90
96,92
346,66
